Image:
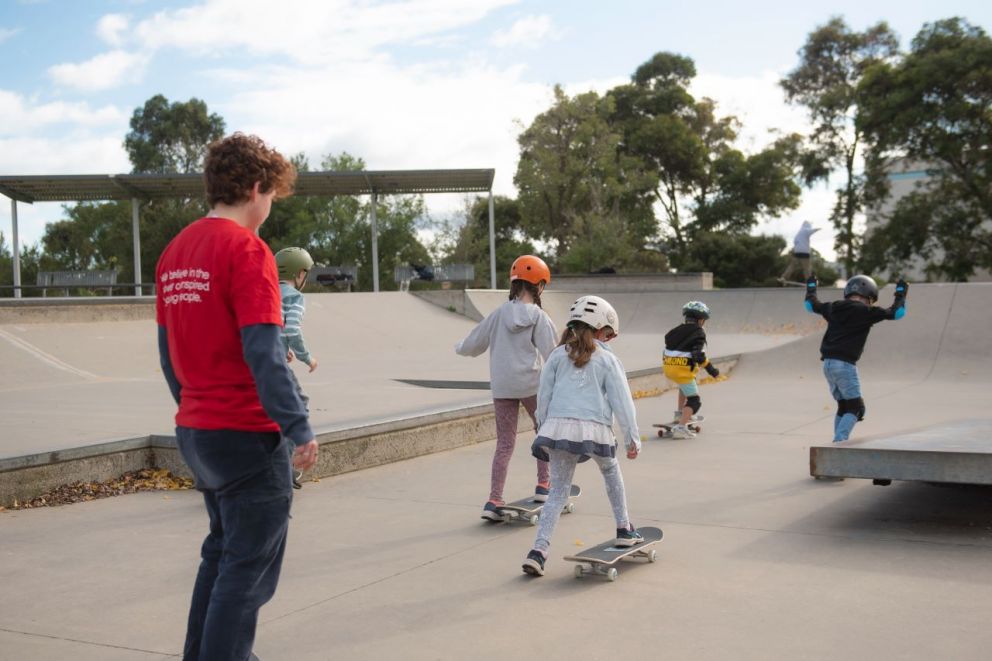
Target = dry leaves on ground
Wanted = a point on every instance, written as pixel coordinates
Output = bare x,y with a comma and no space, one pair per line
146,479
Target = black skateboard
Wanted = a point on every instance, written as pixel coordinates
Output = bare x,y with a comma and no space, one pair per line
600,560
529,510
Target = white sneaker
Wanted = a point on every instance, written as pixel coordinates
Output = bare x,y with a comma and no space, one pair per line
681,431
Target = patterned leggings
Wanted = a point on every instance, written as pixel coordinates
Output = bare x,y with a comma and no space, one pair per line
507,415
563,465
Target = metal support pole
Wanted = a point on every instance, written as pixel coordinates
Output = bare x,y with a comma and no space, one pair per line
16,249
375,245
136,240
492,243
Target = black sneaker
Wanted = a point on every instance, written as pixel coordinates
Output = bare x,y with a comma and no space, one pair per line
541,492
534,564
296,479
628,537
491,512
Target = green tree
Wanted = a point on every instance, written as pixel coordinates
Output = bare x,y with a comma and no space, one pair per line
572,177
337,231
171,137
832,63
703,183
468,243
736,260
934,107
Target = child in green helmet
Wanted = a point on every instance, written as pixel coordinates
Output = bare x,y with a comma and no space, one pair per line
294,265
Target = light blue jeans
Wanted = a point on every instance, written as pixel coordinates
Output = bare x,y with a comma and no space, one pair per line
844,383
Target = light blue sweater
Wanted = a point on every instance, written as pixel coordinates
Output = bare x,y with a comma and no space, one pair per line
597,391
293,309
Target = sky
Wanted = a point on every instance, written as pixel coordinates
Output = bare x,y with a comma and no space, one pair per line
399,83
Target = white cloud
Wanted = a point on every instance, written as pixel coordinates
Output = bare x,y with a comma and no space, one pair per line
111,29
317,31
526,32
7,33
103,72
20,116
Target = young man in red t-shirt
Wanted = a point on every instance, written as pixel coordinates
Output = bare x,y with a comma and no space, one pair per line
219,314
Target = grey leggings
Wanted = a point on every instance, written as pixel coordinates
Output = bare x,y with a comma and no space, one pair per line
563,465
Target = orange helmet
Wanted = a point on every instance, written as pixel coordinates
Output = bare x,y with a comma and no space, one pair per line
530,268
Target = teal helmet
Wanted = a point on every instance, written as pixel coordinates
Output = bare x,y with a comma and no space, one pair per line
695,310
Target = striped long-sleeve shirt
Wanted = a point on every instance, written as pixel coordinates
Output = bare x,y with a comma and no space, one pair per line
293,309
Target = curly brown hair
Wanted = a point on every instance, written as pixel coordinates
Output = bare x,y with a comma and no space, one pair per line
235,163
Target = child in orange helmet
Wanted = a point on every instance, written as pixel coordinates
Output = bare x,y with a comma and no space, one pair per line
519,336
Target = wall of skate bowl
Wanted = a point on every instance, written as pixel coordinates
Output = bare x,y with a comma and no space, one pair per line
49,310
946,335
343,449
735,311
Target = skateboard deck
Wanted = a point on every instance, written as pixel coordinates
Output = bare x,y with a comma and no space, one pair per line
600,559
529,510
665,429
791,283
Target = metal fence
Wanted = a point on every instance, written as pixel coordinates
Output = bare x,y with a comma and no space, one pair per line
67,280
342,277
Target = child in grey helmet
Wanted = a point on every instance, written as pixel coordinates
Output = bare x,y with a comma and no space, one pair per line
848,324
583,385
294,265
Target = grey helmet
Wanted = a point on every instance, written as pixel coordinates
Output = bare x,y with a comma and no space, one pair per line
291,261
861,285
696,310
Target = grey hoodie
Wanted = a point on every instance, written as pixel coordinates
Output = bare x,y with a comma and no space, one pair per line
801,243
520,337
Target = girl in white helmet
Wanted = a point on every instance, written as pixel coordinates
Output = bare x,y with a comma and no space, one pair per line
583,385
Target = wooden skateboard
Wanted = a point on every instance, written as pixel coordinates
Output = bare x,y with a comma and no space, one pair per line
529,510
600,559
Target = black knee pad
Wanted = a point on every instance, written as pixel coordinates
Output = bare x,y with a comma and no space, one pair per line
694,402
854,406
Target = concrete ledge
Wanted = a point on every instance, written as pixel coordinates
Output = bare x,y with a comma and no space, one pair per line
84,308
959,453
342,449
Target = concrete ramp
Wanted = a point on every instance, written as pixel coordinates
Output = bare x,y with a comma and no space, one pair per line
958,453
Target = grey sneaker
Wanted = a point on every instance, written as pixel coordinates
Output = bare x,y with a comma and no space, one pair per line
682,431
628,537
534,563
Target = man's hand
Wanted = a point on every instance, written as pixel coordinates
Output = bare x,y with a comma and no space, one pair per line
305,456
313,364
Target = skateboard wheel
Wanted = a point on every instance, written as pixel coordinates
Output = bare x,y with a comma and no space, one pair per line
661,433
612,574
533,520
653,556
579,571
569,508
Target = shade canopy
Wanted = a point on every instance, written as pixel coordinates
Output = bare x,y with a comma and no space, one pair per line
81,187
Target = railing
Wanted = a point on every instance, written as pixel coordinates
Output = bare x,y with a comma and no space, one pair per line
341,277
145,286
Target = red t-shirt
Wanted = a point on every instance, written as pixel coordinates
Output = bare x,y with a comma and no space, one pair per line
213,279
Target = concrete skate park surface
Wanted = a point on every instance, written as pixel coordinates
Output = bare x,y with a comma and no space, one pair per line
67,383
759,561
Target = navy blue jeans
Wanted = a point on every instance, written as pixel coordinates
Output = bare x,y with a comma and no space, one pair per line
247,486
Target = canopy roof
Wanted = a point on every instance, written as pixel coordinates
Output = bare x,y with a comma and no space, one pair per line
73,187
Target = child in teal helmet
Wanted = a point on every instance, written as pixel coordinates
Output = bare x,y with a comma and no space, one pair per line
684,356
294,265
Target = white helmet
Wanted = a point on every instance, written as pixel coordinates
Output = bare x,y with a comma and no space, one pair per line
596,312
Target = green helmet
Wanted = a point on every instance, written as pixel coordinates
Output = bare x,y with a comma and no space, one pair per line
291,261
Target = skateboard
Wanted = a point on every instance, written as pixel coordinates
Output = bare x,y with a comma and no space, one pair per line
529,510
599,560
790,283
665,428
